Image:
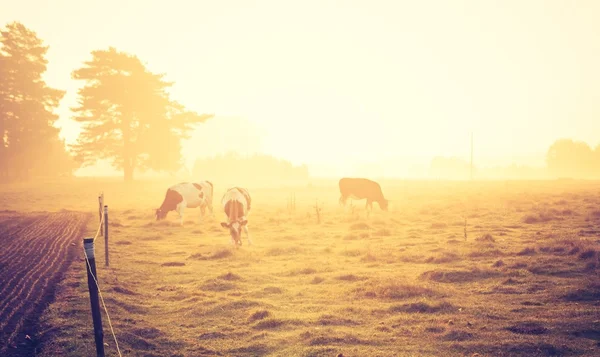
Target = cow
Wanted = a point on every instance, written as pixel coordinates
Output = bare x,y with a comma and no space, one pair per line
361,188
186,195
236,204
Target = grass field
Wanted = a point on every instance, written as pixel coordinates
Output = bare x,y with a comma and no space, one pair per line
524,281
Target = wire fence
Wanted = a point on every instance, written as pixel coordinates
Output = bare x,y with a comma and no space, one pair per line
112,331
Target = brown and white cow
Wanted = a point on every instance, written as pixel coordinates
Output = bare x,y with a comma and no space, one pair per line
361,188
186,195
236,204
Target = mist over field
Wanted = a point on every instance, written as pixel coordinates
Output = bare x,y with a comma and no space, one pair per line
319,178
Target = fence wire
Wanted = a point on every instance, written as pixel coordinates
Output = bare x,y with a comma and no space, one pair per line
112,331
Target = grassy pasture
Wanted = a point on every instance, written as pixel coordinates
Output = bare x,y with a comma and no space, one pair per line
524,282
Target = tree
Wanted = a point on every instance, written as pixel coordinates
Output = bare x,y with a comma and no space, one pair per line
128,117
27,104
573,159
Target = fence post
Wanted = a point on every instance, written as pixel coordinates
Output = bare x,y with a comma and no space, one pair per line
100,205
88,245
106,235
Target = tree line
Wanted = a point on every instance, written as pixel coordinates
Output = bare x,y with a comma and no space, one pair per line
127,117
125,112
258,169
565,158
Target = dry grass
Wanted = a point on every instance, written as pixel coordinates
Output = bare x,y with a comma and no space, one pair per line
403,283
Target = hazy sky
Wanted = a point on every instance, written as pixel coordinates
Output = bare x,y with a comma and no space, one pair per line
337,81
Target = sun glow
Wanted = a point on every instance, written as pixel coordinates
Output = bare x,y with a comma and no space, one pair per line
342,85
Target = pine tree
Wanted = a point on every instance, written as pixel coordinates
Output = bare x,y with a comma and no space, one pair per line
127,115
27,104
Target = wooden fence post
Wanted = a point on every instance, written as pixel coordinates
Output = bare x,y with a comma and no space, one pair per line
88,244
106,235
100,205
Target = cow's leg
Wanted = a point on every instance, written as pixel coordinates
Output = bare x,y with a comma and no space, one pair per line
343,200
369,207
210,208
201,213
247,234
180,210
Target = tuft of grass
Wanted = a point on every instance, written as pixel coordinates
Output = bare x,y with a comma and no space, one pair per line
498,264
352,252
259,315
444,258
485,238
229,276
172,264
435,329
589,293
588,254
394,291
369,257
359,226
350,236
303,271
273,290
335,340
272,323
541,217
331,320
457,335
217,285
424,308
148,332
221,254
439,225
383,232
528,328
486,252
317,280
258,349
197,256
527,251
460,276
211,336
124,291
351,277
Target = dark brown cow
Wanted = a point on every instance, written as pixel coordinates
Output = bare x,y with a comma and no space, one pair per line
360,189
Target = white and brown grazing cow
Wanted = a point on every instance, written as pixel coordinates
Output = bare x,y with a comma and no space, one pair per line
236,204
186,195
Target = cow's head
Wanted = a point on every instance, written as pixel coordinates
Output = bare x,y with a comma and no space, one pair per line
161,214
235,229
384,204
